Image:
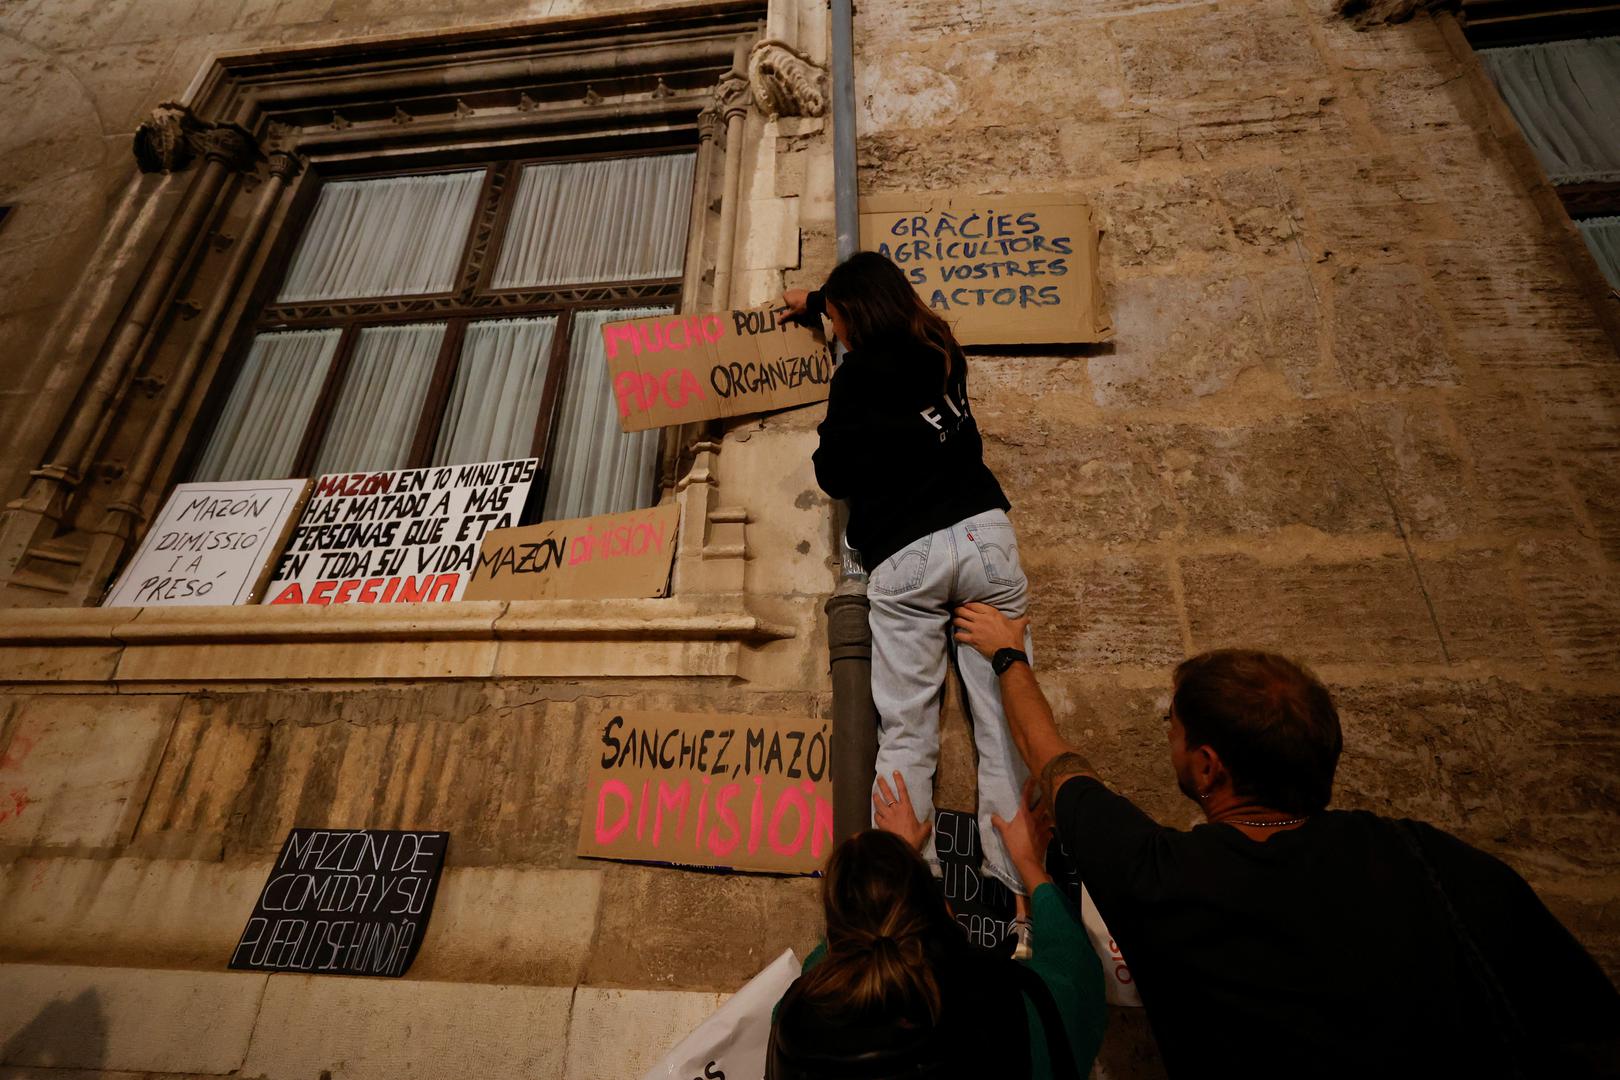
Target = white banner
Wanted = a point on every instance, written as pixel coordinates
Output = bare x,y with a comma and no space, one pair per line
209,545
401,537
731,1044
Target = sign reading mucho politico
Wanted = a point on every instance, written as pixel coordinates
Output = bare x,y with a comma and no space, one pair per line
674,369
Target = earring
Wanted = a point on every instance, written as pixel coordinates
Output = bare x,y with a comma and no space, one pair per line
1206,794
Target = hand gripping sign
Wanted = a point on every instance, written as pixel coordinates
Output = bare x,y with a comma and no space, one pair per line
673,369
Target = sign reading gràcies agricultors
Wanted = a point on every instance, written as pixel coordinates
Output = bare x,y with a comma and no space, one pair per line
673,369
1001,269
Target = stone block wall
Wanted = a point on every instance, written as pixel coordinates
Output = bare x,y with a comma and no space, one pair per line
1358,409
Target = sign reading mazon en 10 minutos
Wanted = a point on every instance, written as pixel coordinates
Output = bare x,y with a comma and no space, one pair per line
1002,269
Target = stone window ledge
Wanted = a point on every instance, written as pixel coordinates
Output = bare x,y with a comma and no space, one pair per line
684,636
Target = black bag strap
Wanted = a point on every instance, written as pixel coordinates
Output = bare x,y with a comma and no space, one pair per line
1505,1021
1058,1050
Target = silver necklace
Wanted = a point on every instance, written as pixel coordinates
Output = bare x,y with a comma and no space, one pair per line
1264,824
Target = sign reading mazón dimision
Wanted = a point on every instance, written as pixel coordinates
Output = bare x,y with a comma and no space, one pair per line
344,902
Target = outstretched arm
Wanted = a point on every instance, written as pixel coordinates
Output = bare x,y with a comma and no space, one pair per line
1029,717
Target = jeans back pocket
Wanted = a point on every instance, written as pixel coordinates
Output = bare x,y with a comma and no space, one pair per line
901,572
998,550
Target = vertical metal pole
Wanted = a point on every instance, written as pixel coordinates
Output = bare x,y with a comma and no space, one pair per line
849,636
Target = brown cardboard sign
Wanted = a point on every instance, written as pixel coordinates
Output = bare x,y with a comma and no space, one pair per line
673,369
703,789
1002,269
612,555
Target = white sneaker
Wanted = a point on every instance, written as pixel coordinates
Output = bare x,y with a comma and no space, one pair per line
1023,931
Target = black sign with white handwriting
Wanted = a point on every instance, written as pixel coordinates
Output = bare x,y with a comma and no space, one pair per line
344,902
983,905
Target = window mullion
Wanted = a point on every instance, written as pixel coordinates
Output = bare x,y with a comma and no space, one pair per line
438,395
326,404
545,421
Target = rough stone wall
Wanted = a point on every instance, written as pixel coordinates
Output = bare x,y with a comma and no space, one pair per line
136,823
1357,409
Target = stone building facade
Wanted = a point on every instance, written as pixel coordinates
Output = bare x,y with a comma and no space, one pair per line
1362,406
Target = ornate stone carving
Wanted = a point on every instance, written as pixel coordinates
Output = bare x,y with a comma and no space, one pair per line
785,82
284,164
173,136
708,123
166,141
230,145
592,97
732,96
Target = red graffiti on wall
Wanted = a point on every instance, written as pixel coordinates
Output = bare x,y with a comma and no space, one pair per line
14,804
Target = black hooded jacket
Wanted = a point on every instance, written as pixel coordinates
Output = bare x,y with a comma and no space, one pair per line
901,445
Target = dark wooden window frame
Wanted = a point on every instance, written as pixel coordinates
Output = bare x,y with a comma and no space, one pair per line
472,300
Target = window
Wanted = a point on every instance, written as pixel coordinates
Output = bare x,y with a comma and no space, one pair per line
1565,96
453,316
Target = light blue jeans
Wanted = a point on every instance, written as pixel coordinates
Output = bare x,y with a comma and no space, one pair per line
912,594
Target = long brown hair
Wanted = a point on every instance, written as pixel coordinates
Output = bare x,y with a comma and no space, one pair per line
887,930
878,303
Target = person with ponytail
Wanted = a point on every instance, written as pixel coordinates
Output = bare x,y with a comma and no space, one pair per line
900,444
897,990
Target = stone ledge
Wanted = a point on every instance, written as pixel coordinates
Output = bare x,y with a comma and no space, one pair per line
470,639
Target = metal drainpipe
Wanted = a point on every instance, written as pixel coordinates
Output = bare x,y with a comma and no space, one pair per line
849,636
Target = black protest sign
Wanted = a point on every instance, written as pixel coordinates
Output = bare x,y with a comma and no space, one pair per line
983,905
344,902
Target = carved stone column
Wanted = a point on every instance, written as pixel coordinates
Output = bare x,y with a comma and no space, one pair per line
733,99
692,282
168,142
120,523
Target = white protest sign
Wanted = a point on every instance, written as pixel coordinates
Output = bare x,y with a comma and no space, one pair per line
732,1043
399,537
209,545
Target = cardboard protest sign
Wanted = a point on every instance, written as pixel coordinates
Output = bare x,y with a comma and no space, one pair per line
584,559
700,789
344,902
210,544
673,369
1002,269
399,537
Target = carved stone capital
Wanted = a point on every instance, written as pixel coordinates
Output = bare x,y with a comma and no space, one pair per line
284,165
230,146
173,136
785,82
708,123
732,96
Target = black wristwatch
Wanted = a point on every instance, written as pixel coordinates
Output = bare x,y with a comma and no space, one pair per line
1006,658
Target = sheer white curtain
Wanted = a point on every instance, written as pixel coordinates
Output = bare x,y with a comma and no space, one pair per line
262,424
1602,236
381,401
617,219
596,468
499,380
395,236
1566,97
